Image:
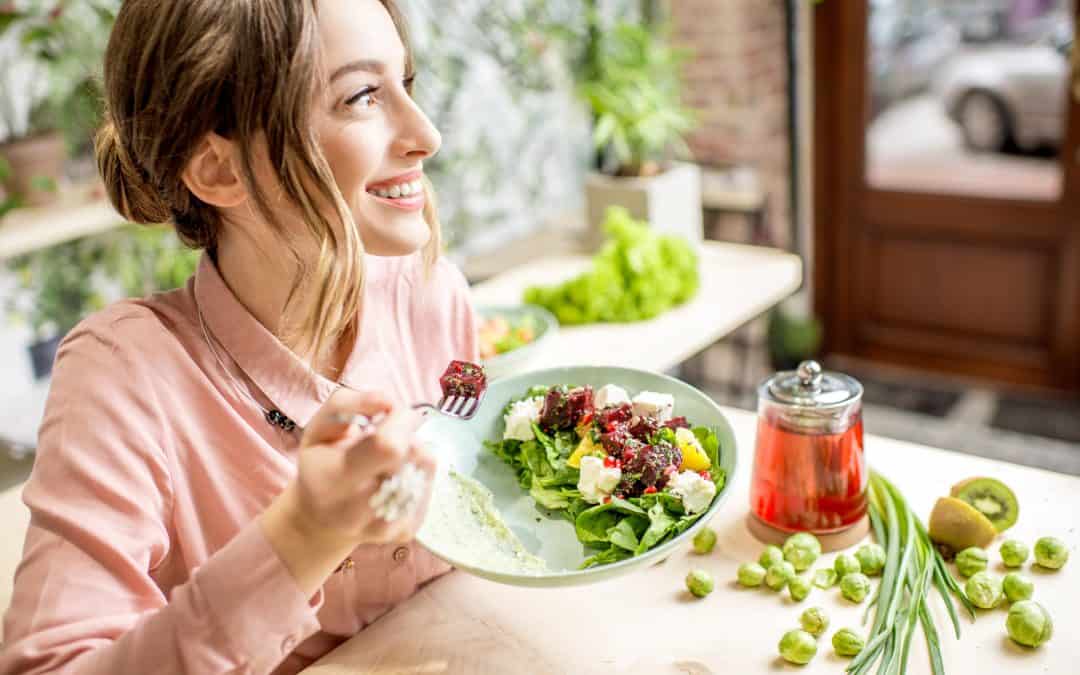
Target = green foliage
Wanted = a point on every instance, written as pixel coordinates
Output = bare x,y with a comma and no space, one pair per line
633,91
64,42
638,274
60,285
793,338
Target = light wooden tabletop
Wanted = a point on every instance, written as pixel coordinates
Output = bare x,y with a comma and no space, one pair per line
647,623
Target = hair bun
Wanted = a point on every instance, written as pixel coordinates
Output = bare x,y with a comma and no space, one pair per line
129,189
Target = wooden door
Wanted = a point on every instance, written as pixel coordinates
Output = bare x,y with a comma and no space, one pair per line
932,248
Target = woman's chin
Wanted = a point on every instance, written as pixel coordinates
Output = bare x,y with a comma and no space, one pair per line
406,239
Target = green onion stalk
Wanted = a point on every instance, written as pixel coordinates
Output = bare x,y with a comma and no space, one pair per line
912,566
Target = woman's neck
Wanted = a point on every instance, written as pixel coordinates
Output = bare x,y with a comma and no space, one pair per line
263,290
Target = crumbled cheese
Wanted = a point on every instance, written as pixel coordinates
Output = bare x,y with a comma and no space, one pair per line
609,395
696,492
520,418
652,404
597,481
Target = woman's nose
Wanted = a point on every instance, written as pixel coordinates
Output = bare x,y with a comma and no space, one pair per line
417,137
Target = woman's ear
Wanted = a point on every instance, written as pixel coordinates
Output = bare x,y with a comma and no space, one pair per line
212,173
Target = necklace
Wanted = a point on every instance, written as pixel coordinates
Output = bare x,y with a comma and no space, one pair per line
272,415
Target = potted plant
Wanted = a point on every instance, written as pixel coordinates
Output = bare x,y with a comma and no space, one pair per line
794,334
60,285
630,81
56,289
50,100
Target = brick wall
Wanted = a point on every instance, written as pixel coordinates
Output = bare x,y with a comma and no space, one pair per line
738,81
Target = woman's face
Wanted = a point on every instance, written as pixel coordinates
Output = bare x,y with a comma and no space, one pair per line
374,136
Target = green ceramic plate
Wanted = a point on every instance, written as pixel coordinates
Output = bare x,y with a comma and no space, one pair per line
517,360
459,445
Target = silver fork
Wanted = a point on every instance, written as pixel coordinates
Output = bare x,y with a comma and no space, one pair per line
458,407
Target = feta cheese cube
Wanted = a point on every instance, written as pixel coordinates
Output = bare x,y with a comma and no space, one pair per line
696,492
520,418
652,404
597,481
610,394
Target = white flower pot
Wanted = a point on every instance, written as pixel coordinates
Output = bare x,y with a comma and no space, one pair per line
669,201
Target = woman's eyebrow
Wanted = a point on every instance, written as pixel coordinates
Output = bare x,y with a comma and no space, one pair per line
377,67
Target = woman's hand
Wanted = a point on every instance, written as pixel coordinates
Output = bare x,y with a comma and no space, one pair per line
326,512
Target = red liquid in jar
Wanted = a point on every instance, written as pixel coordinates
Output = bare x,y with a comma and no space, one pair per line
806,481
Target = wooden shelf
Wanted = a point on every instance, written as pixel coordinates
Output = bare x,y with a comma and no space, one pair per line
30,229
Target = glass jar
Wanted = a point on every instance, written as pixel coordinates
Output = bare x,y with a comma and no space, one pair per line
809,471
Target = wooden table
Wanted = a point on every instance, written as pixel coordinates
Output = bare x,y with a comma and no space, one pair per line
647,623
738,283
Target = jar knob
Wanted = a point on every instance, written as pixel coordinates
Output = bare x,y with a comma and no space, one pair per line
809,373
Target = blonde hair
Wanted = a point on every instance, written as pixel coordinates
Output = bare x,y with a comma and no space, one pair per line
178,70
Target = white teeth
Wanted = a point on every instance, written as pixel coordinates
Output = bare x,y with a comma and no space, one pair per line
400,190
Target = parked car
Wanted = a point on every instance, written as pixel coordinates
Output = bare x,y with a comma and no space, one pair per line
1010,94
906,49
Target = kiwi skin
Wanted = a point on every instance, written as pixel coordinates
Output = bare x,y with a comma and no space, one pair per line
958,525
979,489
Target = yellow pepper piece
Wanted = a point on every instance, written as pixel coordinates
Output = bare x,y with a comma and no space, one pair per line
585,447
693,456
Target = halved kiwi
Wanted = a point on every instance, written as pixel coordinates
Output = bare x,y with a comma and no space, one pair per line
990,497
958,525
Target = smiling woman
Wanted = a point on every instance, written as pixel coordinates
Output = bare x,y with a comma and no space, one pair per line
199,502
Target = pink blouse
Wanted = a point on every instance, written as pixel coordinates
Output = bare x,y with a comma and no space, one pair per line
142,554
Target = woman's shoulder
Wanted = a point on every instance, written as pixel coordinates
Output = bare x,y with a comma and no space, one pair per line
129,326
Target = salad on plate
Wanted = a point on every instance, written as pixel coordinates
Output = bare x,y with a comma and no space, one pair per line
625,471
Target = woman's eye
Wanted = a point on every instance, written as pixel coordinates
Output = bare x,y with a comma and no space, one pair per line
365,98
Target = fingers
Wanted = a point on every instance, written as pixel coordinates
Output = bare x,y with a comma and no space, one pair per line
331,422
387,448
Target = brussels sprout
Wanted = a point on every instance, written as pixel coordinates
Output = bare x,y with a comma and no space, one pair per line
770,556
1050,552
855,586
751,574
699,582
1017,587
825,577
779,575
1028,623
801,550
705,540
814,621
846,564
798,646
799,588
847,642
1013,552
983,590
971,560
871,559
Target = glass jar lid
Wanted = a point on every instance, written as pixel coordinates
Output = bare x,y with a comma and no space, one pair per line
811,387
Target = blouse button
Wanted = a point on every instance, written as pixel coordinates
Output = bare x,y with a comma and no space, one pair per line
401,553
288,644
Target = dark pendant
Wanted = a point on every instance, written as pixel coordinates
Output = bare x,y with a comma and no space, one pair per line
278,420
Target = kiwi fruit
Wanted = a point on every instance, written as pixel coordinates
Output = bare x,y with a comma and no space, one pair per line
958,525
990,497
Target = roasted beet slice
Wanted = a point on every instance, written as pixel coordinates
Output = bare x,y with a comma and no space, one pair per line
463,379
677,423
563,408
614,415
643,428
651,466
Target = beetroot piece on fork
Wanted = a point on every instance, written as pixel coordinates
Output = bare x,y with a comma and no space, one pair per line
463,379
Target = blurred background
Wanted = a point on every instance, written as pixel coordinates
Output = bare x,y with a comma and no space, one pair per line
919,155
